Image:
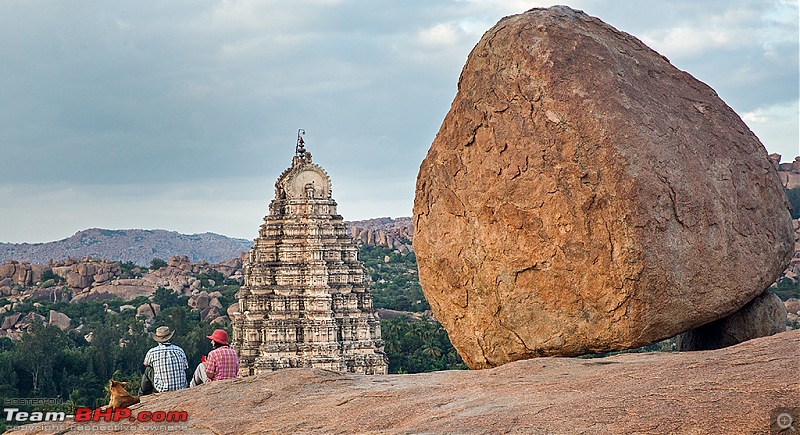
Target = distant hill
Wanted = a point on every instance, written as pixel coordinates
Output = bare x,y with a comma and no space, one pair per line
141,246
138,246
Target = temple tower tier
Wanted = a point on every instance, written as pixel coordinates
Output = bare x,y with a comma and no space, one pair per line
305,302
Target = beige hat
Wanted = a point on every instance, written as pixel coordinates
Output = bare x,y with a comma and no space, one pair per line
162,334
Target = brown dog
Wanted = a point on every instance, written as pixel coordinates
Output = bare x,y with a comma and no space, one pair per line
120,398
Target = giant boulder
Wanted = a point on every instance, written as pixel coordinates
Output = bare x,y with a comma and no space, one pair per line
584,195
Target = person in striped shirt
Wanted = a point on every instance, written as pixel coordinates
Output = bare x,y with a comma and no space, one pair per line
222,362
165,365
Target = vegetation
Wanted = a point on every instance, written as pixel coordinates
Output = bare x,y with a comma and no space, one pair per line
75,367
415,346
395,282
49,275
157,263
129,270
786,288
794,200
166,298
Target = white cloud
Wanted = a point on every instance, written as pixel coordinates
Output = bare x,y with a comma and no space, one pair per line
503,6
442,34
239,15
778,127
688,41
123,25
728,30
757,26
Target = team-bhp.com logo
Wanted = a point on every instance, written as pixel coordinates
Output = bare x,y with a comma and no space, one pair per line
94,415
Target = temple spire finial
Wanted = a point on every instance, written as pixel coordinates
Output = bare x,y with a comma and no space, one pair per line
299,149
300,153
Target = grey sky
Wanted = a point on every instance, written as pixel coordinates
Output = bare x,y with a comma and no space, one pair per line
181,114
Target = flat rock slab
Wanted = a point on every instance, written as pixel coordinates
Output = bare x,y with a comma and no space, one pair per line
731,390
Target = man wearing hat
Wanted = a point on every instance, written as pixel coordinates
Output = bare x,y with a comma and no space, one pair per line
222,362
165,365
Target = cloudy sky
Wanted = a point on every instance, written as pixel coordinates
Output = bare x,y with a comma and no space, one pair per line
180,114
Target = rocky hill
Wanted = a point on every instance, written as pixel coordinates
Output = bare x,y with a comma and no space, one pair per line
141,246
740,389
138,246
392,233
382,223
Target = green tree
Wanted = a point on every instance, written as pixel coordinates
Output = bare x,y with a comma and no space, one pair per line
415,346
395,282
48,274
129,270
430,344
104,350
39,353
166,298
8,376
786,288
157,263
213,275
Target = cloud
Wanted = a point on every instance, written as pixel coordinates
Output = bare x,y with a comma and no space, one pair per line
234,208
145,98
777,125
727,30
441,34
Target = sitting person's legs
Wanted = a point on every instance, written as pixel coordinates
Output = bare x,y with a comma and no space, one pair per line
147,382
199,376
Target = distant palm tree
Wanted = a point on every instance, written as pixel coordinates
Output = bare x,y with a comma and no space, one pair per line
430,344
393,332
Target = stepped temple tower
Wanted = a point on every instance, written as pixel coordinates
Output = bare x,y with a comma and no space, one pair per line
304,302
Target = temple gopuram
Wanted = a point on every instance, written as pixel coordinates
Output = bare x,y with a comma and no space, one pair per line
305,302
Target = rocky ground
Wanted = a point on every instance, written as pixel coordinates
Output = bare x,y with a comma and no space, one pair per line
732,390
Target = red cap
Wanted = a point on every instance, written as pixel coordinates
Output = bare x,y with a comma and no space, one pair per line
220,336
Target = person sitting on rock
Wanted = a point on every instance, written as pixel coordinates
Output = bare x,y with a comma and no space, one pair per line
165,365
221,363
199,377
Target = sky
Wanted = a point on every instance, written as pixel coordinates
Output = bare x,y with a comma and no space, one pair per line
181,114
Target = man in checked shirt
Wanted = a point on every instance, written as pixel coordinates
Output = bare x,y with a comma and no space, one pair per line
165,365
